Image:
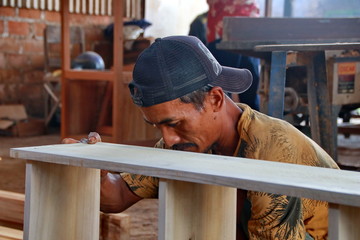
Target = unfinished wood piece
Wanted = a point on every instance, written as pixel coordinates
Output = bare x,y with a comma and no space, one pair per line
344,222
10,234
333,185
196,211
12,207
62,202
289,30
114,226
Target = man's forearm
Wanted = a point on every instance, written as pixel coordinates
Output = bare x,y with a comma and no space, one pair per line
115,195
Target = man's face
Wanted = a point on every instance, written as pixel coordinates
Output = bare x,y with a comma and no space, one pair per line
182,126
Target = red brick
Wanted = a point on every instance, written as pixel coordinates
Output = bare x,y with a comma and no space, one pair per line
55,48
19,28
2,93
12,93
52,16
10,76
37,61
7,11
29,13
9,45
31,91
39,29
18,61
1,27
2,61
35,76
33,46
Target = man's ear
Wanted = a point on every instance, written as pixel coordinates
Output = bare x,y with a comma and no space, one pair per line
216,98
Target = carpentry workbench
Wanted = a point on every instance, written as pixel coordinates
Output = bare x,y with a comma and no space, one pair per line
197,193
272,38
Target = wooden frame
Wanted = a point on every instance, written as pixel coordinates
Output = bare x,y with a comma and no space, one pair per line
63,167
81,92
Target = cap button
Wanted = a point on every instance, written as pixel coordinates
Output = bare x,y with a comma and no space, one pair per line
157,40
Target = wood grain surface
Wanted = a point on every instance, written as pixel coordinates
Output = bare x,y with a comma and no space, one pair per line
335,186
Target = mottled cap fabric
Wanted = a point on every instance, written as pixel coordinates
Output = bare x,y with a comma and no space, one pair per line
177,65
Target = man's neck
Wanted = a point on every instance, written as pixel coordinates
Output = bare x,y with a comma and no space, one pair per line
229,137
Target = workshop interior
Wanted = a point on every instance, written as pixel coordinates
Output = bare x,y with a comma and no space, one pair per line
65,67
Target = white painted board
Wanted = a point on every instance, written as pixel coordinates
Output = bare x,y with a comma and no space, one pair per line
335,186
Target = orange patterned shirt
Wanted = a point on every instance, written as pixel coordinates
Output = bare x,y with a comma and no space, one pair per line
266,215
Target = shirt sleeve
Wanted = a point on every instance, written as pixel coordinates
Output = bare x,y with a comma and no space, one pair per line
143,186
275,217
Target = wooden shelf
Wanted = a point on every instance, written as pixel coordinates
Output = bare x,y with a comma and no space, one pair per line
96,75
100,101
89,75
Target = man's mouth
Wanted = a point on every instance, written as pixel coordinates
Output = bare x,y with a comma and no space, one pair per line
183,146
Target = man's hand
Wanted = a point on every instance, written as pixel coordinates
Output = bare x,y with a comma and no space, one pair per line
92,138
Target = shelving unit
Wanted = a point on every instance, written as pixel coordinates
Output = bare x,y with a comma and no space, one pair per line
84,93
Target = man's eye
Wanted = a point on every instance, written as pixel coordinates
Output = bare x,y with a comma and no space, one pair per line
172,124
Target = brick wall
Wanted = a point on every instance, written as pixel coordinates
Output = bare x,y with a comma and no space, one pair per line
22,54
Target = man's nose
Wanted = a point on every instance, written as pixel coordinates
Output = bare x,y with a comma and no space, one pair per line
170,136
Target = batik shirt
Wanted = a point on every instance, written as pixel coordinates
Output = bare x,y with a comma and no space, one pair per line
270,216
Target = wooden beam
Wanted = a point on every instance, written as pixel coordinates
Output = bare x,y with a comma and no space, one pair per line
10,234
119,96
336,186
344,222
53,198
114,226
194,211
62,202
12,207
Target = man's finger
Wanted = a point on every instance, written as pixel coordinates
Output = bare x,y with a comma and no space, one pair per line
69,140
93,137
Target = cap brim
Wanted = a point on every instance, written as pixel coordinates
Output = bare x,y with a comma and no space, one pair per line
234,80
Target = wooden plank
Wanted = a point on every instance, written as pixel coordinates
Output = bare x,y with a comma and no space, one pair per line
291,30
118,120
11,207
239,34
307,47
336,186
277,84
344,222
65,87
196,211
89,75
114,226
62,202
320,112
10,234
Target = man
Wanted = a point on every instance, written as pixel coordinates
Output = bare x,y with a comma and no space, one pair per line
179,87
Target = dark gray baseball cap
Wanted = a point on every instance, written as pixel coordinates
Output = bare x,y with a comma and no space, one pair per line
175,66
